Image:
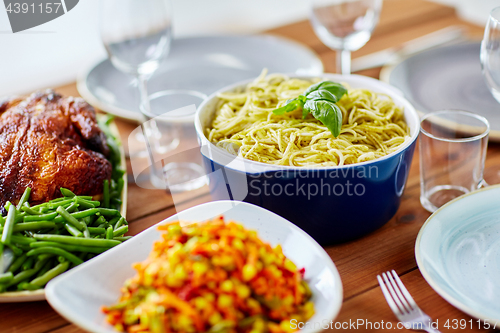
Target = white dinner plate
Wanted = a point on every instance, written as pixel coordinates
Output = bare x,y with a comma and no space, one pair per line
447,77
79,294
458,253
200,64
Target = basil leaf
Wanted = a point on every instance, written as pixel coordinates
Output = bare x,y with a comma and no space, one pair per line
326,112
322,94
335,88
290,105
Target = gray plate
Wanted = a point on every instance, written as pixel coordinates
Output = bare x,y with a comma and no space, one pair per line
447,77
202,64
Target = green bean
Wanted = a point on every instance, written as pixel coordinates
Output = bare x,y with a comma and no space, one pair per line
67,193
105,193
86,203
1,249
27,286
120,231
109,233
45,256
7,206
71,248
9,225
69,218
76,240
48,265
28,264
17,263
119,185
57,251
122,238
73,231
87,220
97,231
108,211
42,280
24,198
71,208
2,220
61,259
33,226
27,209
86,232
24,275
57,200
100,221
21,240
116,201
78,215
54,205
6,277
17,251
19,217
40,217
119,223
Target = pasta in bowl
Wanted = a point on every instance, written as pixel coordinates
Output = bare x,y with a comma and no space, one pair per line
335,187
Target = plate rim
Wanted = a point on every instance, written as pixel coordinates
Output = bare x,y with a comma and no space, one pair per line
58,305
434,285
83,89
387,69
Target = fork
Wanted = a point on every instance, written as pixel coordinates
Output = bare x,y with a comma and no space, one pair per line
402,304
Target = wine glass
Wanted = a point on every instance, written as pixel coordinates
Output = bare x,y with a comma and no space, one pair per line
490,53
137,36
345,26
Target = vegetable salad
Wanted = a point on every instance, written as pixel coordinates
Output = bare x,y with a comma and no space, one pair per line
212,277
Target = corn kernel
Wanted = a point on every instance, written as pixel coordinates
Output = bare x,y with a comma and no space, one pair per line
238,244
243,291
224,301
290,266
200,303
174,229
249,272
199,268
286,326
215,318
210,297
180,272
185,322
227,286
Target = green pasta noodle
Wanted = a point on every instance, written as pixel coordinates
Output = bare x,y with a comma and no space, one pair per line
244,124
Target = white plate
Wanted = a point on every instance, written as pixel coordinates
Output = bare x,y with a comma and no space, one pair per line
202,64
447,77
39,295
458,253
79,294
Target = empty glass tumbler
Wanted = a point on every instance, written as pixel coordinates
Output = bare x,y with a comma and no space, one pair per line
452,153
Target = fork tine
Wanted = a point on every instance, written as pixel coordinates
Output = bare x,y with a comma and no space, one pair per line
388,296
406,306
395,297
404,290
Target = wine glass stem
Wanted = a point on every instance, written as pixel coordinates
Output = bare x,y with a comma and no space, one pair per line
150,131
344,61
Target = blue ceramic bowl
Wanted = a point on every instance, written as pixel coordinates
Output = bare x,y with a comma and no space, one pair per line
332,204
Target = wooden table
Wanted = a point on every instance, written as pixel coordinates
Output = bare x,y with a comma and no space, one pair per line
391,247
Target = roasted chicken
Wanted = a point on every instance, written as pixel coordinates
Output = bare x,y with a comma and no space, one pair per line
48,142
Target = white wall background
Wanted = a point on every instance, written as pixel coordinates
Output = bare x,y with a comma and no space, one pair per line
54,53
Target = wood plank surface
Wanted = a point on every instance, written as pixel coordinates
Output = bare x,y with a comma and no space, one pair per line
359,261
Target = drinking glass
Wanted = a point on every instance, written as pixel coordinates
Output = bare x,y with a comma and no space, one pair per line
452,153
173,112
490,53
137,36
345,26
